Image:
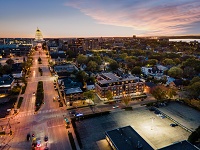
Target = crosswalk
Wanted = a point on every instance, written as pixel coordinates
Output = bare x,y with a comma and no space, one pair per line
30,113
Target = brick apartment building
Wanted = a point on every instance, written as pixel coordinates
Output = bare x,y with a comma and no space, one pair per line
118,85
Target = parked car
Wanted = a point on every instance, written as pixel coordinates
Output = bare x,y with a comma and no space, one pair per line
114,107
173,125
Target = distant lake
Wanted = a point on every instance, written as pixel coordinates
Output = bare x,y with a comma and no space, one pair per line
184,40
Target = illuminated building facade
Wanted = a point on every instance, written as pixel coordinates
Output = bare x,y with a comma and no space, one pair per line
38,36
118,85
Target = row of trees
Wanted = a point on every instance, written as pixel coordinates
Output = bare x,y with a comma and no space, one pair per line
39,96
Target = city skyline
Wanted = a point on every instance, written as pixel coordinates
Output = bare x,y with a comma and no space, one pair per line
69,18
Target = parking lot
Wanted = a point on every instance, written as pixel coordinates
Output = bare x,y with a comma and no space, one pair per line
183,114
153,128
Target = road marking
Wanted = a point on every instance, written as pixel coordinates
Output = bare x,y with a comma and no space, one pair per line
56,126
30,113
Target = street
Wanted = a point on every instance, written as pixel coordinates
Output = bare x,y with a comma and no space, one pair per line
48,121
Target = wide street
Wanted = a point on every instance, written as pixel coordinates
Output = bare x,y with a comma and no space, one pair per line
48,121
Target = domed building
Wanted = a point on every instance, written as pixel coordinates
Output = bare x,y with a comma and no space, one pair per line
38,36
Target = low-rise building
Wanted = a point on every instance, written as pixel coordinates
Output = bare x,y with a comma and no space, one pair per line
126,138
73,94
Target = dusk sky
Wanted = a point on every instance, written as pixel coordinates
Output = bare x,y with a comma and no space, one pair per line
99,18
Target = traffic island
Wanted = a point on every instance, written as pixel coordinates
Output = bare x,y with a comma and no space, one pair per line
71,139
39,96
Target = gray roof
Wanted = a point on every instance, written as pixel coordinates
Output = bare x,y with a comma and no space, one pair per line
73,90
111,77
126,138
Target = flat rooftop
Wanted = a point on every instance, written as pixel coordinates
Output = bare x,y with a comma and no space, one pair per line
126,138
111,77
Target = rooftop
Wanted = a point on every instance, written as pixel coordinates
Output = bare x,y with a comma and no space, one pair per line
126,138
73,90
111,77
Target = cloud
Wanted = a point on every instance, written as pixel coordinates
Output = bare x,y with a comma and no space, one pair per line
144,16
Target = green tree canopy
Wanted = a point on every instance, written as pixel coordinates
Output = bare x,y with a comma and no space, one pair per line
136,70
192,62
151,62
89,95
81,76
114,65
193,91
195,79
92,66
189,72
81,59
175,72
168,61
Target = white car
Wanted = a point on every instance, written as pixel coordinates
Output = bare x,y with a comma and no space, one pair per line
115,107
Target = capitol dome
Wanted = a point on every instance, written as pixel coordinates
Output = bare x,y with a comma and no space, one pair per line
38,35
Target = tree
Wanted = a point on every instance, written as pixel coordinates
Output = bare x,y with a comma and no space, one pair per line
81,59
10,61
175,72
114,65
109,95
193,91
177,61
189,72
192,62
195,79
81,76
151,62
92,66
168,61
159,92
136,70
171,92
89,95
126,99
